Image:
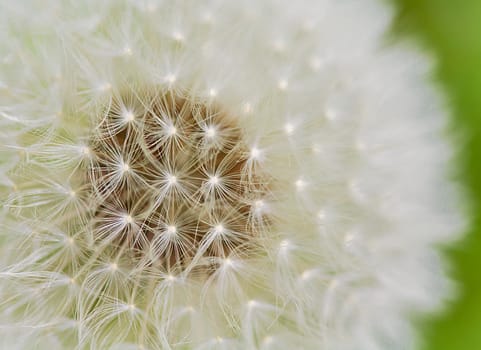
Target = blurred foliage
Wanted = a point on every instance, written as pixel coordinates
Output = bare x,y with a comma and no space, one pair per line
452,31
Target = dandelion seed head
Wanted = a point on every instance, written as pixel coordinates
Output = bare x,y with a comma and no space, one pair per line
204,175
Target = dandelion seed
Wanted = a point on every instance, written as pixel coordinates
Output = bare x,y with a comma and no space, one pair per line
212,92
127,51
282,84
247,108
105,87
210,132
214,180
259,204
125,167
171,78
300,184
284,245
129,116
331,114
128,219
267,340
255,153
321,214
171,278
85,150
307,274
280,46
172,180
289,128
172,131
219,229
315,63
179,37
190,309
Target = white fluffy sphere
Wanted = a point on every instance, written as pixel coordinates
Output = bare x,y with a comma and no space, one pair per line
217,175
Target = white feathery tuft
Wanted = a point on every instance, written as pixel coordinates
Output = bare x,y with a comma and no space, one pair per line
217,175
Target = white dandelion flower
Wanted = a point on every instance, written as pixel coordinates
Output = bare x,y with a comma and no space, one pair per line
217,175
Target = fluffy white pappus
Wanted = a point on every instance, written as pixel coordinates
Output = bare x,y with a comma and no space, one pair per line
218,175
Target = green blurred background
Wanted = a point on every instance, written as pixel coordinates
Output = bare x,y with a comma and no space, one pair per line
451,29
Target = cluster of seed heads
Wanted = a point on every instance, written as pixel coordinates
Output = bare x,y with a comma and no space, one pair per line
162,190
171,180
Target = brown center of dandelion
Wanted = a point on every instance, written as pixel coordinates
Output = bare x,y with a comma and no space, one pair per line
175,183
